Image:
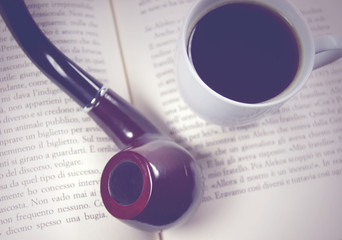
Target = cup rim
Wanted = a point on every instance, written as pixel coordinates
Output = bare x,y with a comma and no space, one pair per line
296,20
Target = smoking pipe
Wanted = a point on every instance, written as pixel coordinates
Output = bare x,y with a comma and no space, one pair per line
153,183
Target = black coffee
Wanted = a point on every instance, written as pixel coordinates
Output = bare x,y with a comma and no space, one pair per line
245,52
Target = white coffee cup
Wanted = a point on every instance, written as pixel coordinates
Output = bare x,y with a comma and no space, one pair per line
315,52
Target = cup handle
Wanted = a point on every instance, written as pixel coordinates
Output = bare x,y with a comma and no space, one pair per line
327,49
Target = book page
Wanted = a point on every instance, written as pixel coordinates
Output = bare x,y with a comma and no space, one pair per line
278,178
51,153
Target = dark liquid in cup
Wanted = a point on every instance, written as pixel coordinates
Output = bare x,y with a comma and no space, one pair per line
245,52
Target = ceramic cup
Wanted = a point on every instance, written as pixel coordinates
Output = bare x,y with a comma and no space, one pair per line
214,107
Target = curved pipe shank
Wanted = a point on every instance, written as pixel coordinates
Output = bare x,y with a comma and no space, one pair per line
118,118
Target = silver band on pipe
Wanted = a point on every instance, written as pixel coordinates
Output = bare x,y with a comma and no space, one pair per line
95,100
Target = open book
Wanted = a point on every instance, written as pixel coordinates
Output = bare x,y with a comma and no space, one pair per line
279,178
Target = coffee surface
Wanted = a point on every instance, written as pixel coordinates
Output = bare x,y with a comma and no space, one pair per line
245,52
